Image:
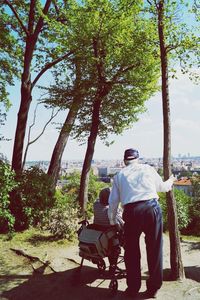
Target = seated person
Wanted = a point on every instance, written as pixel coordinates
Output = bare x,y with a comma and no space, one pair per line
101,219
101,210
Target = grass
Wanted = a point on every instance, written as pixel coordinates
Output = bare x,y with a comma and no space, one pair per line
32,237
191,238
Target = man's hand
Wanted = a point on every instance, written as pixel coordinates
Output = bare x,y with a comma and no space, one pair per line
173,178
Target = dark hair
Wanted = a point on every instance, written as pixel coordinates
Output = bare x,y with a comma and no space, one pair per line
104,195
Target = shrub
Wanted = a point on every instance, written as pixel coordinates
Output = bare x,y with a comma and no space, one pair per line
194,226
62,220
72,189
33,197
7,183
183,203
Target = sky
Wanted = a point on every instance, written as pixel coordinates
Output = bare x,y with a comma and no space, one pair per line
146,135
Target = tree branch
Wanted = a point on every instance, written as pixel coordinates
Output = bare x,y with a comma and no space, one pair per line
50,65
121,71
148,1
31,16
41,18
53,115
17,16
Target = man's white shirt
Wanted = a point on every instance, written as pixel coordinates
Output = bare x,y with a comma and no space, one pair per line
135,182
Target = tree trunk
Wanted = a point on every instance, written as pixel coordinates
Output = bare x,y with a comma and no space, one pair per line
177,270
55,163
83,192
21,125
26,86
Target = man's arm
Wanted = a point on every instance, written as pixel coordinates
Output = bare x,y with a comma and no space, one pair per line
163,186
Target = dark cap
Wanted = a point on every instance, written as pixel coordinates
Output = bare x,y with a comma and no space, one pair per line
130,154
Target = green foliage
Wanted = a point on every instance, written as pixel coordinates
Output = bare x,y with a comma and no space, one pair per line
194,226
71,189
114,37
62,219
9,56
183,203
7,183
181,36
32,199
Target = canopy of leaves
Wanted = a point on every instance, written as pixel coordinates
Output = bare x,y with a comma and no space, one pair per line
19,21
10,54
113,36
181,35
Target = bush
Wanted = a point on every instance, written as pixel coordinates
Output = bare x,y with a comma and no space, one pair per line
194,226
62,220
7,183
183,203
32,199
72,189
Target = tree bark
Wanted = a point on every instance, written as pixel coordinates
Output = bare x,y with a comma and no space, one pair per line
55,163
177,270
26,86
83,191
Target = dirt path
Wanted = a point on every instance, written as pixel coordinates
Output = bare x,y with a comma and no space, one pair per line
18,280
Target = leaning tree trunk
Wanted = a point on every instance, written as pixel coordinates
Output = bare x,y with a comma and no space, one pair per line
177,270
55,163
83,191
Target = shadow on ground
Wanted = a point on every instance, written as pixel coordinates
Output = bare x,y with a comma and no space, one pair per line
68,285
59,286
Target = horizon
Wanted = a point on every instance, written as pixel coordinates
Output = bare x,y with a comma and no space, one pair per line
146,135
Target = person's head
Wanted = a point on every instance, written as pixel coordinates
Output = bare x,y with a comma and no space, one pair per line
104,195
130,155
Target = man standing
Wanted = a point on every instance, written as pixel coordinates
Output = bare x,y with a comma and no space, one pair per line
136,187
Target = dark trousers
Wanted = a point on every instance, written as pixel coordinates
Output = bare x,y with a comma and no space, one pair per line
144,216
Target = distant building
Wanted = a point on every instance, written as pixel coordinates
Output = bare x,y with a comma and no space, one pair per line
185,185
61,183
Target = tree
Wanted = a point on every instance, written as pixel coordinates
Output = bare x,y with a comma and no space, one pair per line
79,90
9,54
175,43
118,51
37,28
73,99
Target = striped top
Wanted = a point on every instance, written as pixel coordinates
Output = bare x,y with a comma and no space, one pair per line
101,215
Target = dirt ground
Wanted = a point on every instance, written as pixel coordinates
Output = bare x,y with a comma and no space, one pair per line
21,279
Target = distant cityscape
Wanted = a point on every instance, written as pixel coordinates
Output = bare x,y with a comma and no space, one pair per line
105,169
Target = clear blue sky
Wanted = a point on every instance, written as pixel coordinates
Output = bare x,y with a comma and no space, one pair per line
145,135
